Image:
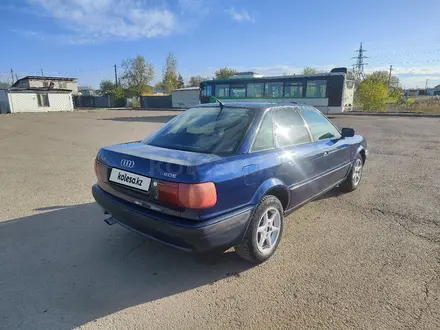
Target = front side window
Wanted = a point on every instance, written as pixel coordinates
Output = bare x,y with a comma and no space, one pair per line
222,90
207,130
316,88
238,91
43,100
320,127
294,89
255,90
289,127
273,89
264,139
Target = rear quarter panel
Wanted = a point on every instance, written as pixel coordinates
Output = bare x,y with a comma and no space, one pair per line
237,180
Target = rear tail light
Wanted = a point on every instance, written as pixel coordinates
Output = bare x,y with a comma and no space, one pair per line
192,196
101,171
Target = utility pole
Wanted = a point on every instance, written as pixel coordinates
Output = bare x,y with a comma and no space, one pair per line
12,76
359,66
116,76
389,77
16,77
42,73
426,84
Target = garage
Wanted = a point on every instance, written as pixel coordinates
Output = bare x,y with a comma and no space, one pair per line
184,98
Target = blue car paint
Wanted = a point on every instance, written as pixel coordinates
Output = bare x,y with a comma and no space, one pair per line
301,172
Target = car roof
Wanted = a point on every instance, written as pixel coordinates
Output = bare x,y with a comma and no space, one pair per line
250,105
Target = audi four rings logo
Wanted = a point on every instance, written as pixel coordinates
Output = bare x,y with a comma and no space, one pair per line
127,163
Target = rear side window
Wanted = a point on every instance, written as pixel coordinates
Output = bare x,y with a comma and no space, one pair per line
274,89
222,90
255,90
293,89
205,130
289,128
264,139
238,91
316,88
320,127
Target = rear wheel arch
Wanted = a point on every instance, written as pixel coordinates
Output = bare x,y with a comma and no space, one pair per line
273,187
281,193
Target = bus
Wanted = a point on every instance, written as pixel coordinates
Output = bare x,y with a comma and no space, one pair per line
330,92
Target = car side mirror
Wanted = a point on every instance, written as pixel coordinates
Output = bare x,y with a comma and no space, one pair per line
347,132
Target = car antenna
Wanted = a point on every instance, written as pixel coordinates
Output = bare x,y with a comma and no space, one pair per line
221,106
220,102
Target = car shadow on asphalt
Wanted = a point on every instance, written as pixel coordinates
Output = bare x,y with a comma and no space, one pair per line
67,267
144,119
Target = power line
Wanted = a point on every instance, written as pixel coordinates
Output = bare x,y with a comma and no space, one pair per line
433,51
413,45
359,66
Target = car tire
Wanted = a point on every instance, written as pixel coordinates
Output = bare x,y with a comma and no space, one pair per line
354,177
264,232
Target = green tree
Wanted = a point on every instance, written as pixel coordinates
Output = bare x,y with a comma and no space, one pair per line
195,81
169,79
396,94
107,87
4,84
137,74
383,76
309,70
180,81
119,93
224,73
373,94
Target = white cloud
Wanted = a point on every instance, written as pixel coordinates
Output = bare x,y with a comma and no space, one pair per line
240,15
100,20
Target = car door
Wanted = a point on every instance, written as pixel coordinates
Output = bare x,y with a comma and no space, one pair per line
301,161
328,138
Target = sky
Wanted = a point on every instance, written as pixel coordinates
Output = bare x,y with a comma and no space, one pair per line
86,38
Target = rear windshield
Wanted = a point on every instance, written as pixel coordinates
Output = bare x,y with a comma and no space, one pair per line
205,130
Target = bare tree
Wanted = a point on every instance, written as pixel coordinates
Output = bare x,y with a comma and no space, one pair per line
138,74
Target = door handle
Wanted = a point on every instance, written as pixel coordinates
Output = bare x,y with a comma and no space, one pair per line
325,153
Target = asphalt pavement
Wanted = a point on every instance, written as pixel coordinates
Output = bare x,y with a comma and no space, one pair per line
365,260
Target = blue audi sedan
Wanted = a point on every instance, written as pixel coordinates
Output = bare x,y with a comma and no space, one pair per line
225,175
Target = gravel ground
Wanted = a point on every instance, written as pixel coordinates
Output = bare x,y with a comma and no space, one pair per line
365,260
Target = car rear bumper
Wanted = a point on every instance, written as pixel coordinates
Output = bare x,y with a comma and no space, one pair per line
198,236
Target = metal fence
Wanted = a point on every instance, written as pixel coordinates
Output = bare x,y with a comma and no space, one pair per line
106,101
157,102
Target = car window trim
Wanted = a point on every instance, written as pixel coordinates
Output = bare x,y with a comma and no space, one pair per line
305,125
268,112
295,109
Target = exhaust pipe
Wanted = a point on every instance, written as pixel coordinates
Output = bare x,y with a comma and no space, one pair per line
110,221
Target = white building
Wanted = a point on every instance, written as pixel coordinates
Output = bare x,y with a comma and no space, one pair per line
185,98
14,100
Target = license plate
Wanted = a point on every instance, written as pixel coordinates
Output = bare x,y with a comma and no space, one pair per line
130,179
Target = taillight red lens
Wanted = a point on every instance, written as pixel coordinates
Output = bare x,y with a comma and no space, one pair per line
197,196
193,196
168,192
101,171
